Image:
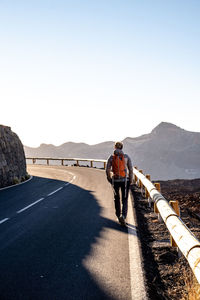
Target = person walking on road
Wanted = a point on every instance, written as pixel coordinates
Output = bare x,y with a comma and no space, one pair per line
119,173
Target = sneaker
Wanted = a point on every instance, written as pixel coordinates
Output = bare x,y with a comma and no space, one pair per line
122,221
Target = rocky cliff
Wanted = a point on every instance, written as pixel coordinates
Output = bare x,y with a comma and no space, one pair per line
12,158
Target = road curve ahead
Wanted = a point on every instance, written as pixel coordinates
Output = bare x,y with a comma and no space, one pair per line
59,239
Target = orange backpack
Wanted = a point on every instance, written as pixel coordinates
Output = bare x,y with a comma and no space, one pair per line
119,166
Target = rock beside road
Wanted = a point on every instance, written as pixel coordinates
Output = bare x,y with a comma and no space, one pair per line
12,158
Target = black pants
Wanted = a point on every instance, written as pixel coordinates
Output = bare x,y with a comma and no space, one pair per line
124,188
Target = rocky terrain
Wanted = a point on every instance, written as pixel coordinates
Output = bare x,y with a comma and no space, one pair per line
12,158
168,275
167,152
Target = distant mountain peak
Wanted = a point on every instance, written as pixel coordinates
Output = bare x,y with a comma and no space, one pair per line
168,152
165,127
43,145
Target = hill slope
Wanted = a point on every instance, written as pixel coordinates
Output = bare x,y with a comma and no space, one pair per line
168,152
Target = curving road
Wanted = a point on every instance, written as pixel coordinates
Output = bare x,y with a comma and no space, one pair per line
59,239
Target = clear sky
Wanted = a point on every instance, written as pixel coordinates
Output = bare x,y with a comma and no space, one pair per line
92,71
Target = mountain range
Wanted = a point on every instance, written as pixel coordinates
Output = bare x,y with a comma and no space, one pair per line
167,152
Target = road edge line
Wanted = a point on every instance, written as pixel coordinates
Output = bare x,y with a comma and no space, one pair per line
138,291
17,184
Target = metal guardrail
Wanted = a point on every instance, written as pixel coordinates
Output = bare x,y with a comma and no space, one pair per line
62,160
187,243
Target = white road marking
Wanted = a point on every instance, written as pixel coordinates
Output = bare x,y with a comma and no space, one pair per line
4,220
55,191
30,205
23,209
74,177
41,199
14,185
138,290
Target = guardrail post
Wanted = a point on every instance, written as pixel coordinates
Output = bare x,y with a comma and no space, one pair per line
146,191
34,160
62,162
135,177
175,206
157,186
91,164
147,195
48,162
104,165
77,163
140,182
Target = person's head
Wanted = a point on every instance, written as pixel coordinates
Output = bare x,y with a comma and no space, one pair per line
119,145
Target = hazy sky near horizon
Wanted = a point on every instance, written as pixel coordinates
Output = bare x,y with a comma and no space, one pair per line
92,71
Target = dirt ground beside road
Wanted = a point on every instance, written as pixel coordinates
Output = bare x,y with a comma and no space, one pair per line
167,274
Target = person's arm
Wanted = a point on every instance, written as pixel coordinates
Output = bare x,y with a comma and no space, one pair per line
108,169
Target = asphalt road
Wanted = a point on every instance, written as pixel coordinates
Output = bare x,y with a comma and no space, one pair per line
59,238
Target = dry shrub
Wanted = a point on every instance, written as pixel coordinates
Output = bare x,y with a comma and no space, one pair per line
192,287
